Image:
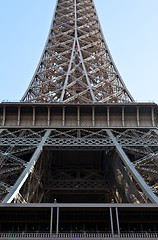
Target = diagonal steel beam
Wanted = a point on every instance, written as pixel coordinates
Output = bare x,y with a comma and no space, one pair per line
68,72
155,131
146,189
1,130
14,191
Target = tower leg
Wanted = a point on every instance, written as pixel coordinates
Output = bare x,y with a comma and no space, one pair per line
146,189
30,166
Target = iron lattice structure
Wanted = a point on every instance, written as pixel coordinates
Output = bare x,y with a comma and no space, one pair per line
76,69
76,65
24,167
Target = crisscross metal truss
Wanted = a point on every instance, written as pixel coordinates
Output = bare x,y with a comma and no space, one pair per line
20,151
144,156
76,65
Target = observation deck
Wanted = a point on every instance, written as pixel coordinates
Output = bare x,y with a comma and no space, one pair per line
78,221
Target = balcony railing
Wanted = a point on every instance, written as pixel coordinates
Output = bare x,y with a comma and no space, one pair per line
78,236
139,235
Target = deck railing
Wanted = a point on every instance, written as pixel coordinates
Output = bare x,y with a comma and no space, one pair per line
78,236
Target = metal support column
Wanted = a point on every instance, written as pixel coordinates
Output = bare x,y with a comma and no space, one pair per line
123,116
48,116
108,116
153,116
111,220
142,184
138,117
63,118
4,116
78,116
117,219
19,116
34,116
93,116
57,226
51,221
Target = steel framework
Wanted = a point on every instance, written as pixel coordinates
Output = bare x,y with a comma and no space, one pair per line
77,131
21,149
76,65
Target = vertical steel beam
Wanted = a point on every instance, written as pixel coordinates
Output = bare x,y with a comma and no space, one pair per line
138,117
4,116
108,116
63,108
29,168
111,221
51,220
93,116
19,115
78,116
142,184
123,116
57,226
49,116
117,219
34,116
153,116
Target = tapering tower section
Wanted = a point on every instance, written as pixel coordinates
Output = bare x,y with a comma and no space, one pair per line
76,65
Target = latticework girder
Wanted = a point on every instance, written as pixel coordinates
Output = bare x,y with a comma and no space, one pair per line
21,173
76,65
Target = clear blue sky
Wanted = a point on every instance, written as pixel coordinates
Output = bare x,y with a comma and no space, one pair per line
130,28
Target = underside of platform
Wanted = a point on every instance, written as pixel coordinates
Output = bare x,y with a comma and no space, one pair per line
82,177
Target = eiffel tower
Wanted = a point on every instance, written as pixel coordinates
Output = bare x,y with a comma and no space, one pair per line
77,145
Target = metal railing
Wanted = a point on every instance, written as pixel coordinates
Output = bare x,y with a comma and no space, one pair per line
139,235
59,235
78,235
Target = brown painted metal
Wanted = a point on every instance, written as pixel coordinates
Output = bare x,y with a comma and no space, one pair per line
76,65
